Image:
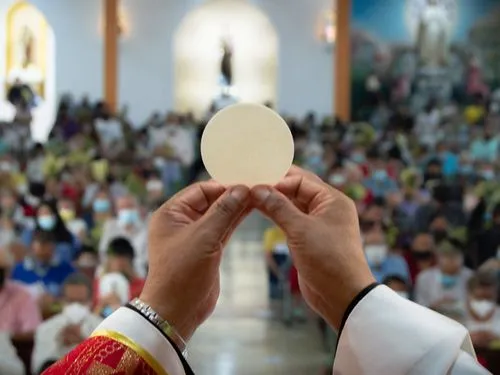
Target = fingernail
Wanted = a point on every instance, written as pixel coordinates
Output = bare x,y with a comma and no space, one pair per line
240,193
261,193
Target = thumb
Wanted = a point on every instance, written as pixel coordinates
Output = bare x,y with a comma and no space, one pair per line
277,207
226,210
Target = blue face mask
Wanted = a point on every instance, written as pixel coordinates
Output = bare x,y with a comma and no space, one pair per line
101,205
467,170
315,160
358,158
448,281
107,311
128,216
380,175
488,174
47,222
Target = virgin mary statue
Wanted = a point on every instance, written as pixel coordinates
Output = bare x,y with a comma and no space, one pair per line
433,36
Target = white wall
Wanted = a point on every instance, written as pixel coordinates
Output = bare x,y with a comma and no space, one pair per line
305,79
306,67
78,45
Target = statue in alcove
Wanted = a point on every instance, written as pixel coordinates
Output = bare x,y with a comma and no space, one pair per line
226,66
27,44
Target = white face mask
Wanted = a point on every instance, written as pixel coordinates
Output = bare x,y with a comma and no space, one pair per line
154,185
337,179
375,254
482,307
404,295
76,312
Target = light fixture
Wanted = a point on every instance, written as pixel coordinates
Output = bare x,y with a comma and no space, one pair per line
328,28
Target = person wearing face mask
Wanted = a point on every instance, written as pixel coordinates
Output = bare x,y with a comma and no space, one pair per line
379,183
440,206
314,157
439,228
60,334
485,148
443,288
100,212
76,226
130,225
422,255
47,219
120,259
487,172
43,272
86,261
382,262
433,171
19,313
483,313
486,243
398,284
155,193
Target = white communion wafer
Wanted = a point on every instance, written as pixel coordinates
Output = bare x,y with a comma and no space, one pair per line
247,144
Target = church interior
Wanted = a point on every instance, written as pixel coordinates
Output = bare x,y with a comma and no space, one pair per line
103,103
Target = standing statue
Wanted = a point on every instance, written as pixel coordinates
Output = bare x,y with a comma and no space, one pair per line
27,44
226,66
433,36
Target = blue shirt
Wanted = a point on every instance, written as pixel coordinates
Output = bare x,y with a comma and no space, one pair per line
484,150
451,163
52,276
393,265
64,251
380,187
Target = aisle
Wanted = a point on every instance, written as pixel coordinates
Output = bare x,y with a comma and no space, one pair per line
243,337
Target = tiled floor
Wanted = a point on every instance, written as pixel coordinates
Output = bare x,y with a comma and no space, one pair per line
245,335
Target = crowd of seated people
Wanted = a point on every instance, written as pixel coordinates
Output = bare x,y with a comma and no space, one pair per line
74,214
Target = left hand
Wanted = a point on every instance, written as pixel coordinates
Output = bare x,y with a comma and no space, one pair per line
185,242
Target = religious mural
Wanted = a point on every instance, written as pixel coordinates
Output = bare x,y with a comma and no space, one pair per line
26,54
413,51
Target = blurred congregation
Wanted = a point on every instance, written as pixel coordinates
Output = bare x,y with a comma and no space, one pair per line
421,165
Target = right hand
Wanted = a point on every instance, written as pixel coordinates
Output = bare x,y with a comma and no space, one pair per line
322,229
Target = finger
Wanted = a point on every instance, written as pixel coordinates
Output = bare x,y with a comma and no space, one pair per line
297,171
226,210
303,189
277,207
197,197
236,223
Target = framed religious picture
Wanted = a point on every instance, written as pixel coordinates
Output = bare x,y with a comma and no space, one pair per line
26,54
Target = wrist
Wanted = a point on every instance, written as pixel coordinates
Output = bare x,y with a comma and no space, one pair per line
347,300
178,319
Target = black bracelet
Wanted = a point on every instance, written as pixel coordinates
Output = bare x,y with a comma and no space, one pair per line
185,365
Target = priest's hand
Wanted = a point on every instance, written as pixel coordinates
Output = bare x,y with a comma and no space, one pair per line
185,242
322,229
